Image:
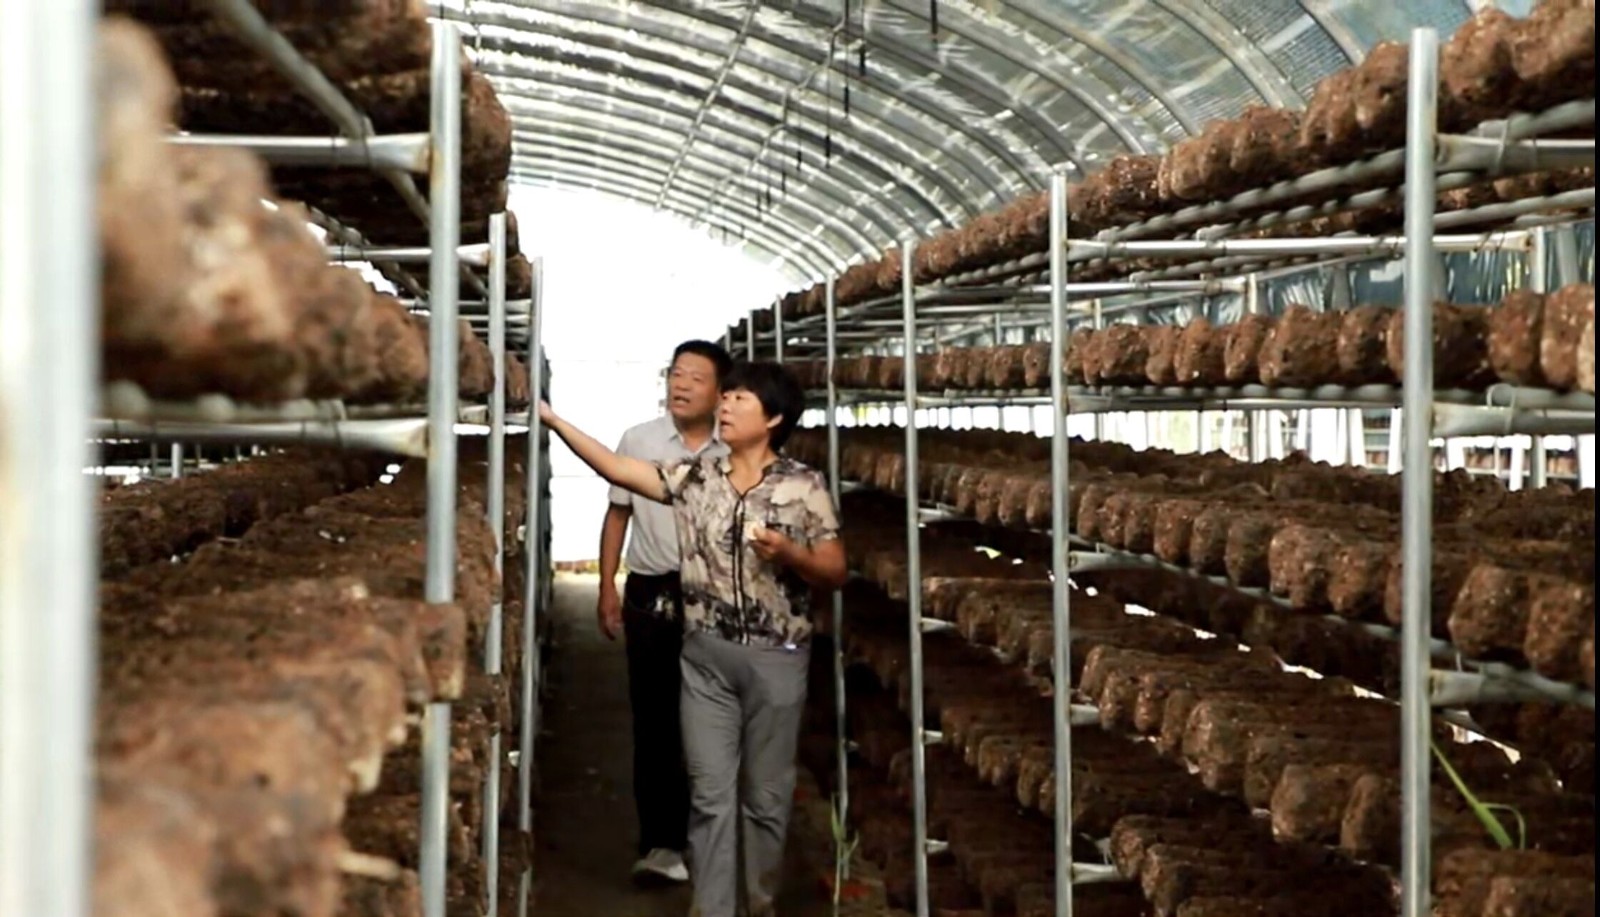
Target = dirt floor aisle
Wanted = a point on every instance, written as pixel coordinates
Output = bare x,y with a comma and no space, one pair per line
585,824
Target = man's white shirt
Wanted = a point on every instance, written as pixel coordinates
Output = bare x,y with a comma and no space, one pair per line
653,536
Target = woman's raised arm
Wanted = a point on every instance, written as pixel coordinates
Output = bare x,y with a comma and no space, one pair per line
640,477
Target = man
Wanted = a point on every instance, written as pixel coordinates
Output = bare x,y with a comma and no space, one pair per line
650,611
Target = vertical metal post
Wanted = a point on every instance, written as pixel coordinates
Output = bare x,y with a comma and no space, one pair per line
49,364
444,278
750,337
841,724
1355,438
1538,282
1340,297
1099,321
777,331
919,736
1564,242
176,465
533,591
493,655
1255,433
1060,594
1538,259
493,651
1417,475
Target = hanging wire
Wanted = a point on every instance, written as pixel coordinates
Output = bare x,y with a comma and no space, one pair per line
933,20
844,72
827,94
861,51
477,32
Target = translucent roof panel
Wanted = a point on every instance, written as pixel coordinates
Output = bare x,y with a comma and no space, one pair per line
819,133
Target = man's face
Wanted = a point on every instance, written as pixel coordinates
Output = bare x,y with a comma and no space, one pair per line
692,388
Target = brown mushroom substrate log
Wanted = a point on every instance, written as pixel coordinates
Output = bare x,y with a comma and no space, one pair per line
1303,348
1324,538
1492,67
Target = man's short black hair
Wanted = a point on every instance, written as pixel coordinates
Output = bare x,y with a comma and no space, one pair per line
714,352
778,391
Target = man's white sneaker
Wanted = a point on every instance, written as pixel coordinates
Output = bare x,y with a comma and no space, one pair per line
661,866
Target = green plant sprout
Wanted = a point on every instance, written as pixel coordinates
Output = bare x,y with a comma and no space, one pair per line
1484,811
844,843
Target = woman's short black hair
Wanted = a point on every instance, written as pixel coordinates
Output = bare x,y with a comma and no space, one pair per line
714,352
778,391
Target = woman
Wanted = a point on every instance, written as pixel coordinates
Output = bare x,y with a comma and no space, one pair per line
757,532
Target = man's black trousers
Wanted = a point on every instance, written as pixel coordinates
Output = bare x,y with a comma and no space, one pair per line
652,621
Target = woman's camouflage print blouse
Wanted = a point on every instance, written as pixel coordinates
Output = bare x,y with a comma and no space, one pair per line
728,590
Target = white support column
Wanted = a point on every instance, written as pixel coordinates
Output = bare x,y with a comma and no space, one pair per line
494,653
1061,595
841,723
1416,714
1256,430
444,279
534,596
49,367
919,735
1539,282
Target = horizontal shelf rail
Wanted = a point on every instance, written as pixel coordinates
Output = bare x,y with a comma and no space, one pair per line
399,436
403,152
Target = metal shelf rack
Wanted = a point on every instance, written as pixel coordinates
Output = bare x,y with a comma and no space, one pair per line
46,762
1039,287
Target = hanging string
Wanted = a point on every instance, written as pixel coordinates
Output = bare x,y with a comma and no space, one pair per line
827,93
861,52
844,29
933,20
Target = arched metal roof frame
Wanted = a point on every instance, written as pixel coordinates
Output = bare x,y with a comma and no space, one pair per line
578,150
1331,23
982,107
785,62
1037,43
960,27
633,147
781,250
917,59
557,110
871,155
673,23
782,242
862,165
823,244
1264,75
884,152
714,160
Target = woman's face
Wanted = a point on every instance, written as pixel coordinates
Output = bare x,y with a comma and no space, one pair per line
741,421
